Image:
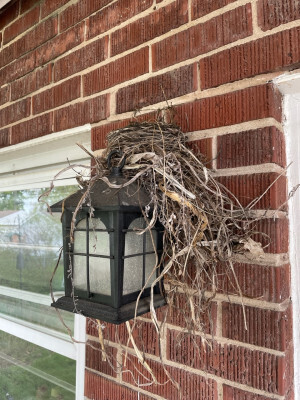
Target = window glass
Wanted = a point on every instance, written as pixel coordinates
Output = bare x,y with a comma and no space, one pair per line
30,372
30,240
35,313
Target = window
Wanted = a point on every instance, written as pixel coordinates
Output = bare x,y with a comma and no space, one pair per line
37,357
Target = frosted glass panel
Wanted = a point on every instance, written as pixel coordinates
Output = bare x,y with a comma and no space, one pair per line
80,238
133,274
149,237
99,243
150,265
133,241
79,272
100,279
96,223
133,266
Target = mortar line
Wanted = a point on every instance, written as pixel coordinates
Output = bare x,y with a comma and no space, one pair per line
183,27
204,374
236,128
129,385
187,98
256,29
250,169
205,336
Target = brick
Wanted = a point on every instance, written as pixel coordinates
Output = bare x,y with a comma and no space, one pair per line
99,133
202,149
180,314
272,13
21,25
230,393
89,111
224,29
144,335
255,281
228,109
114,15
4,137
9,13
273,234
192,386
286,373
98,387
34,38
32,129
156,89
49,7
259,146
156,24
18,68
26,5
122,70
265,328
81,59
248,188
79,11
4,94
269,54
15,112
204,7
172,50
56,96
60,44
94,360
257,369
31,82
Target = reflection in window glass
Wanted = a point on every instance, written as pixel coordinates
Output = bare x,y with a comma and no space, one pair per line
30,239
35,313
29,372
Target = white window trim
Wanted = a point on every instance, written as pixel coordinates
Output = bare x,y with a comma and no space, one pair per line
33,164
3,3
289,86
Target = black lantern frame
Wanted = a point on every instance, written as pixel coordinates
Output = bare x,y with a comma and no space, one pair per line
117,209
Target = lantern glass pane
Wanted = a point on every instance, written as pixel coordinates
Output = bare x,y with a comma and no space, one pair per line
133,266
133,242
79,272
99,241
133,274
80,238
150,271
100,279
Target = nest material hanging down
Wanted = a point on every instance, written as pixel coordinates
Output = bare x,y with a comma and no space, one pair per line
204,224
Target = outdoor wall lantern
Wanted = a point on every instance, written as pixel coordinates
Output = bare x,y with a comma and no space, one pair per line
110,263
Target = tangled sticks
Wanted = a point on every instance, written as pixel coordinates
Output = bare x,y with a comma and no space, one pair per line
205,226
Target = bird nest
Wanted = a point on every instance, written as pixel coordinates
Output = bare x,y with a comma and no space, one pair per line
204,224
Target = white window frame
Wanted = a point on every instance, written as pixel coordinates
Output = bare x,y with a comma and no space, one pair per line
289,86
33,164
3,3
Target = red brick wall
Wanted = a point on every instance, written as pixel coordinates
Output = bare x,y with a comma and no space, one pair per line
65,63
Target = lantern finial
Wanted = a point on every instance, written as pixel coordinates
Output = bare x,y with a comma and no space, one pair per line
116,171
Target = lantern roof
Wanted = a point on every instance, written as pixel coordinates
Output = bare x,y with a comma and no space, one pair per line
102,196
